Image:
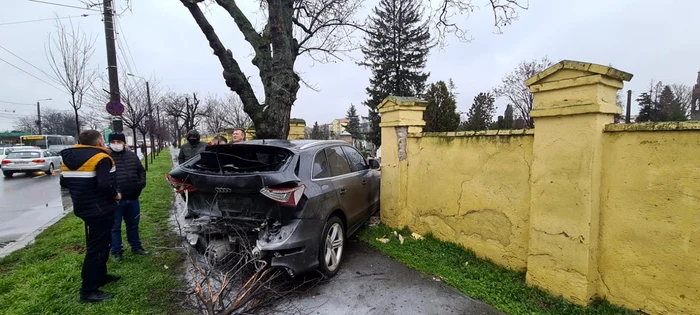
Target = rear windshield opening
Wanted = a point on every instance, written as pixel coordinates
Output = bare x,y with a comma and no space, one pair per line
232,159
23,155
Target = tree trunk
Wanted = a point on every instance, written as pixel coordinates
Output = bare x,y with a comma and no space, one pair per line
133,129
145,151
77,124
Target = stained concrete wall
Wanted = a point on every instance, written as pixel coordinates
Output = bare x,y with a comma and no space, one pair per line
650,223
473,190
588,208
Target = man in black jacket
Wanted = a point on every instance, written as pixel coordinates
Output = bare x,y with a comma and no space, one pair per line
88,173
131,179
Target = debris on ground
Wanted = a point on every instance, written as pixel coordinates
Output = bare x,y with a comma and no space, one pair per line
466,263
374,221
400,239
417,236
396,233
436,278
383,240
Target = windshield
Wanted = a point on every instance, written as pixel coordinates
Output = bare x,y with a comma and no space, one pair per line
37,143
23,155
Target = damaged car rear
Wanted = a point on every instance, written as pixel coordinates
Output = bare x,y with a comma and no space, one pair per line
296,201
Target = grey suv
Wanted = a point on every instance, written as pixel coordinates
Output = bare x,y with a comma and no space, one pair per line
297,200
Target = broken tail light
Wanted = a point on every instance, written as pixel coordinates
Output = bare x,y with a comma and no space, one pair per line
289,197
180,186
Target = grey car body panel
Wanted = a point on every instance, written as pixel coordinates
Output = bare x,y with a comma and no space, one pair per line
296,243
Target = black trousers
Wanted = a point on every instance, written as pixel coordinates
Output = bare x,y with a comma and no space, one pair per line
98,238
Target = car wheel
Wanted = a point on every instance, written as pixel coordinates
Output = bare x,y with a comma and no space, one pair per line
50,171
331,248
8,174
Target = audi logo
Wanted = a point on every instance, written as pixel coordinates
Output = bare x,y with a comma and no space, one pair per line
222,190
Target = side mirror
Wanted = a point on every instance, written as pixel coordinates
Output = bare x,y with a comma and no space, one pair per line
374,164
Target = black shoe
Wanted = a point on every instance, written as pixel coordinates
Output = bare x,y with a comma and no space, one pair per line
109,279
117,257
140,251
96,296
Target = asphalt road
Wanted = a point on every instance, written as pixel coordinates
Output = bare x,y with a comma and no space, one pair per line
27,203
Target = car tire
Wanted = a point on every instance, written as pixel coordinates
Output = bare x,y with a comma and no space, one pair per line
50,170
332,244
8,174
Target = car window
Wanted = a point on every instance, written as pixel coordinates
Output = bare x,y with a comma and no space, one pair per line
336,160
23,155
321,168
356,160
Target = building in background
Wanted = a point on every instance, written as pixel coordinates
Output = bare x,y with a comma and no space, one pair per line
338,127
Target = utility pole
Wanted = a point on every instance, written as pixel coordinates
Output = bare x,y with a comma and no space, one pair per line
629,106
38,113
112,61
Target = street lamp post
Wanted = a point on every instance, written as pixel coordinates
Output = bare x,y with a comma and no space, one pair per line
38,112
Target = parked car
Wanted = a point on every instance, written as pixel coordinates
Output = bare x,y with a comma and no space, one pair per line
297,200
29,161
4,151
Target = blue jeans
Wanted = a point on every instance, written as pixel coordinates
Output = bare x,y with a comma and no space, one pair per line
130,210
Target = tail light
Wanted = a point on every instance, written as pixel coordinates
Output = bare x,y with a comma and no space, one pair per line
6,161
284,196
39,161
180,186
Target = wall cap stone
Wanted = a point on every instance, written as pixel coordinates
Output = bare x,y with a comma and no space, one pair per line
581,66
655,126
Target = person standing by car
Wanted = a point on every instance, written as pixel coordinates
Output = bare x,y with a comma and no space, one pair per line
88,173
191,148
219,140
238,135
131,179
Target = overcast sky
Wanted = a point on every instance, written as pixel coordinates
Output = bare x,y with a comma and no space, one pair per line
650,39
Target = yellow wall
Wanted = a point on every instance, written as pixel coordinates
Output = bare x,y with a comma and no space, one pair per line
473,190
650,223
588,208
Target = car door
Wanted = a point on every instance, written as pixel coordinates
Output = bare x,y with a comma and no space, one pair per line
348,186
359,167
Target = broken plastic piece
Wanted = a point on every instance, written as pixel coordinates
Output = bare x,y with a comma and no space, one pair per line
417,236
383,240
400,239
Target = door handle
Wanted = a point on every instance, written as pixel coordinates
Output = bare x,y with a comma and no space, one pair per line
343,191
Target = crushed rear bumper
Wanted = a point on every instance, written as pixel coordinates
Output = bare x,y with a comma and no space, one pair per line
295,246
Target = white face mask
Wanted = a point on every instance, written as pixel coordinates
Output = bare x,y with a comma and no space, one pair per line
117,147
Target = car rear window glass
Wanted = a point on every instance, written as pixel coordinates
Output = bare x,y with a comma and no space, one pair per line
356,160
321,168
336,159
23,155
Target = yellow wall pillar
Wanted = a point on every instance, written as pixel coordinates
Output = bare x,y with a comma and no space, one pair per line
573,101
297,130
401,116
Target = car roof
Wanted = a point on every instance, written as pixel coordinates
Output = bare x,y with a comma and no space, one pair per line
295,145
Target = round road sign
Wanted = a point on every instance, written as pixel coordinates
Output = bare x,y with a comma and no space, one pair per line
115,108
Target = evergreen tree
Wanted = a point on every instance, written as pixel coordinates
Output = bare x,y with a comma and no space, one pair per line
481,112
353,126
670,106
508,118
441,113
396,49
316,132
648,110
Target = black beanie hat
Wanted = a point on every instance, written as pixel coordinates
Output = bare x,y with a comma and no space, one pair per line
117,136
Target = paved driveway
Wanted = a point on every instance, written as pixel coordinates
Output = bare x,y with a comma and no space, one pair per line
370,282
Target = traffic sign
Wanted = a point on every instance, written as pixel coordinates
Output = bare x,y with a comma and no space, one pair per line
115,108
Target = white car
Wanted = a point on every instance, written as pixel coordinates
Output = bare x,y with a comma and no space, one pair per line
4,151
29,161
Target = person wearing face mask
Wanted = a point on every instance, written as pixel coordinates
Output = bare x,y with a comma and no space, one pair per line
131,179
191,148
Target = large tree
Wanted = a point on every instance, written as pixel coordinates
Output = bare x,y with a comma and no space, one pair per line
353,126
319,28
441,112
481,113
69,51
396,51
316,132
513,87
670,106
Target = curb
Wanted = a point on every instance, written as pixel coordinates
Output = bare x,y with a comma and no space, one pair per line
28,238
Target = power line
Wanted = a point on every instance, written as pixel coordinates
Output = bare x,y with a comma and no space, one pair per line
50,19
123,36
29,63
15,103
20,69
64,5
